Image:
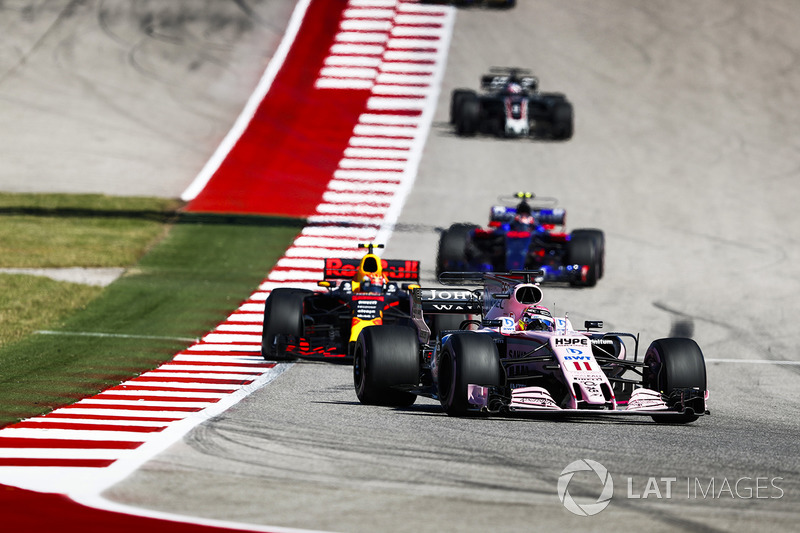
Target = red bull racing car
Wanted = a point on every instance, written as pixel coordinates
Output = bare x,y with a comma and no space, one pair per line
519,358
511,106
354,294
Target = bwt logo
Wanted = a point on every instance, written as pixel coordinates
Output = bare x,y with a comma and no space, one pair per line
586,509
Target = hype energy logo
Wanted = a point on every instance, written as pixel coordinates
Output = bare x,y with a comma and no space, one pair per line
585,509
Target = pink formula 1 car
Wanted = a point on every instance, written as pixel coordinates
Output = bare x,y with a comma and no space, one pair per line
515,357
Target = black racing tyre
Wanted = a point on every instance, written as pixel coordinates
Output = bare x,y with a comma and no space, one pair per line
452,248
456,98
676,364
562,121
467,358
468,115
581,250
283,316
386,357
598,237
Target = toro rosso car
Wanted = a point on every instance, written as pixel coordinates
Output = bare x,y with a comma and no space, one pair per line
354,294
518,358
525,236
511,106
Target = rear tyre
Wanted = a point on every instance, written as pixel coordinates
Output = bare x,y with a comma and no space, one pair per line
599,239
468,115
562,121
467,358
452,248
283,319
673,365
386,357
581,251
456,99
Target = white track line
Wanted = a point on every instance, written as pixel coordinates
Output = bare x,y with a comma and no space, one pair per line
252,104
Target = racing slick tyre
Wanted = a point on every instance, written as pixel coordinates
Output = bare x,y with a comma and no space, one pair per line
467,358
468,115
283,318
456,98
562,121
598,237
386,357
451,254
675,366
581,250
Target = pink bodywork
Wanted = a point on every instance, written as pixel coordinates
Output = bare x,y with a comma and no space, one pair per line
578,368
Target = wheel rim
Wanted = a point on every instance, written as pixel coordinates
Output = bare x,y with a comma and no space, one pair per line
447,378
358,369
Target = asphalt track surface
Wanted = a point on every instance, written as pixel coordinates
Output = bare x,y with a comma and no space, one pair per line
685,153
125,97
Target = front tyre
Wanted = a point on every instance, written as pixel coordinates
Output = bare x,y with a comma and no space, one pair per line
283,319
451,254
599,239
386,359
675,367
467,358
456,98
468,115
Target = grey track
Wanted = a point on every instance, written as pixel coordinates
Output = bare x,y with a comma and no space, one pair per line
125,97
686,152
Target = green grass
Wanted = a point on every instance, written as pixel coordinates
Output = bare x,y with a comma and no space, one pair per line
185,285
49,231
26,303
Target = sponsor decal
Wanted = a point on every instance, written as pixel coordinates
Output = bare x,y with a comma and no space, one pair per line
571,341
594,376
393,269
437,294
367,309
576,358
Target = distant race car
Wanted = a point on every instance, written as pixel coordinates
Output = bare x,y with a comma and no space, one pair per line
525,236
521,359
300,323
511,106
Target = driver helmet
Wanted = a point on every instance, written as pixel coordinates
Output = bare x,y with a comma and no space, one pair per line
515,88
536,318
372,283
524,214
